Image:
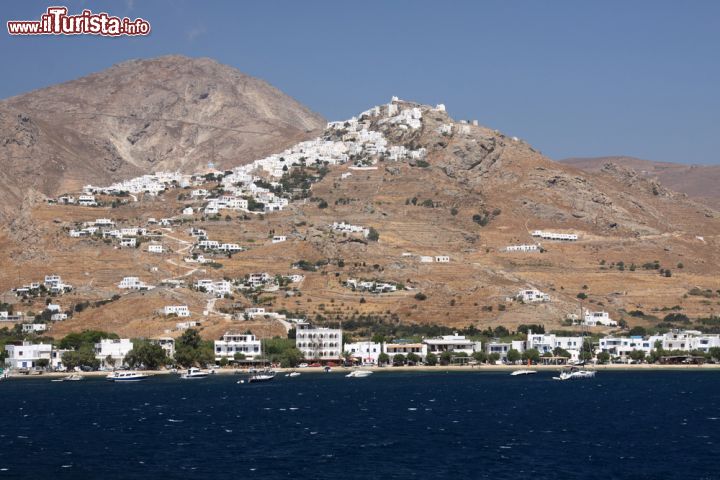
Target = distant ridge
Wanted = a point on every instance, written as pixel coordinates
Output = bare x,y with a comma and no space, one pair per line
699,182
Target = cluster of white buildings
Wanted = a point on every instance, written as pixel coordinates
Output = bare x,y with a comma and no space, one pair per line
219,288
110,353
568,237
370,286
216,246
152,184
348,228
369,352
682,340
105,228
52,283
225,202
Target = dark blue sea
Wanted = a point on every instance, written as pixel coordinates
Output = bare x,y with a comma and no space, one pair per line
620,425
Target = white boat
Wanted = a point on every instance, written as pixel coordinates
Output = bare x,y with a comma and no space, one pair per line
523,372
127,376
574,373
359,374
70,378
193,372
262,376
292,374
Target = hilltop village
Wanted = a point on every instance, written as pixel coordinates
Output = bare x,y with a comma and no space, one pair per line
183,250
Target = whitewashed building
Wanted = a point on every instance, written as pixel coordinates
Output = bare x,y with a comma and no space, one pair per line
593,319
452,343
532,295
134,283
318,343
113,348
27,354
231,343
365,352
179,310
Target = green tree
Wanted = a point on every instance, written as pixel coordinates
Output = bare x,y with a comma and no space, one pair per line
412,358
191,350
431,359
383,359
637,355
399,359
73,341
83,357
513,356
480,356
603,357
373,235
714,353
531,354
291,358
561,352
42,363
446,358
146,354
239,357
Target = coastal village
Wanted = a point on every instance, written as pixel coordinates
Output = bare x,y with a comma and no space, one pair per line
185,256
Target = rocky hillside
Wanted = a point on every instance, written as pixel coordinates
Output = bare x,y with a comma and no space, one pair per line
425,185
168,113
699,182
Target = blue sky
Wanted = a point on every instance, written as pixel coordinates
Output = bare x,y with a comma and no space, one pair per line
574,78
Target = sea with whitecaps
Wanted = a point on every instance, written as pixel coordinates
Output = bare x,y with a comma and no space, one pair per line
617,425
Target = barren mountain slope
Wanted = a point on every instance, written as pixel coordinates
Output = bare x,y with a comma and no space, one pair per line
141,116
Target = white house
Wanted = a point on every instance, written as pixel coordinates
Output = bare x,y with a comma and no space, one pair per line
231,343
442,259
546,343
623,346
179,310
426,259
128,242
522,248
279,238
187,211
452,343
33,327
593,319
392,349
532,295
365,352
318,343
114,348
155,248
27,354
186,325
567,237
134,283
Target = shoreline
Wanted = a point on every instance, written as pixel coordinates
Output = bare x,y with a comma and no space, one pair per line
406,369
